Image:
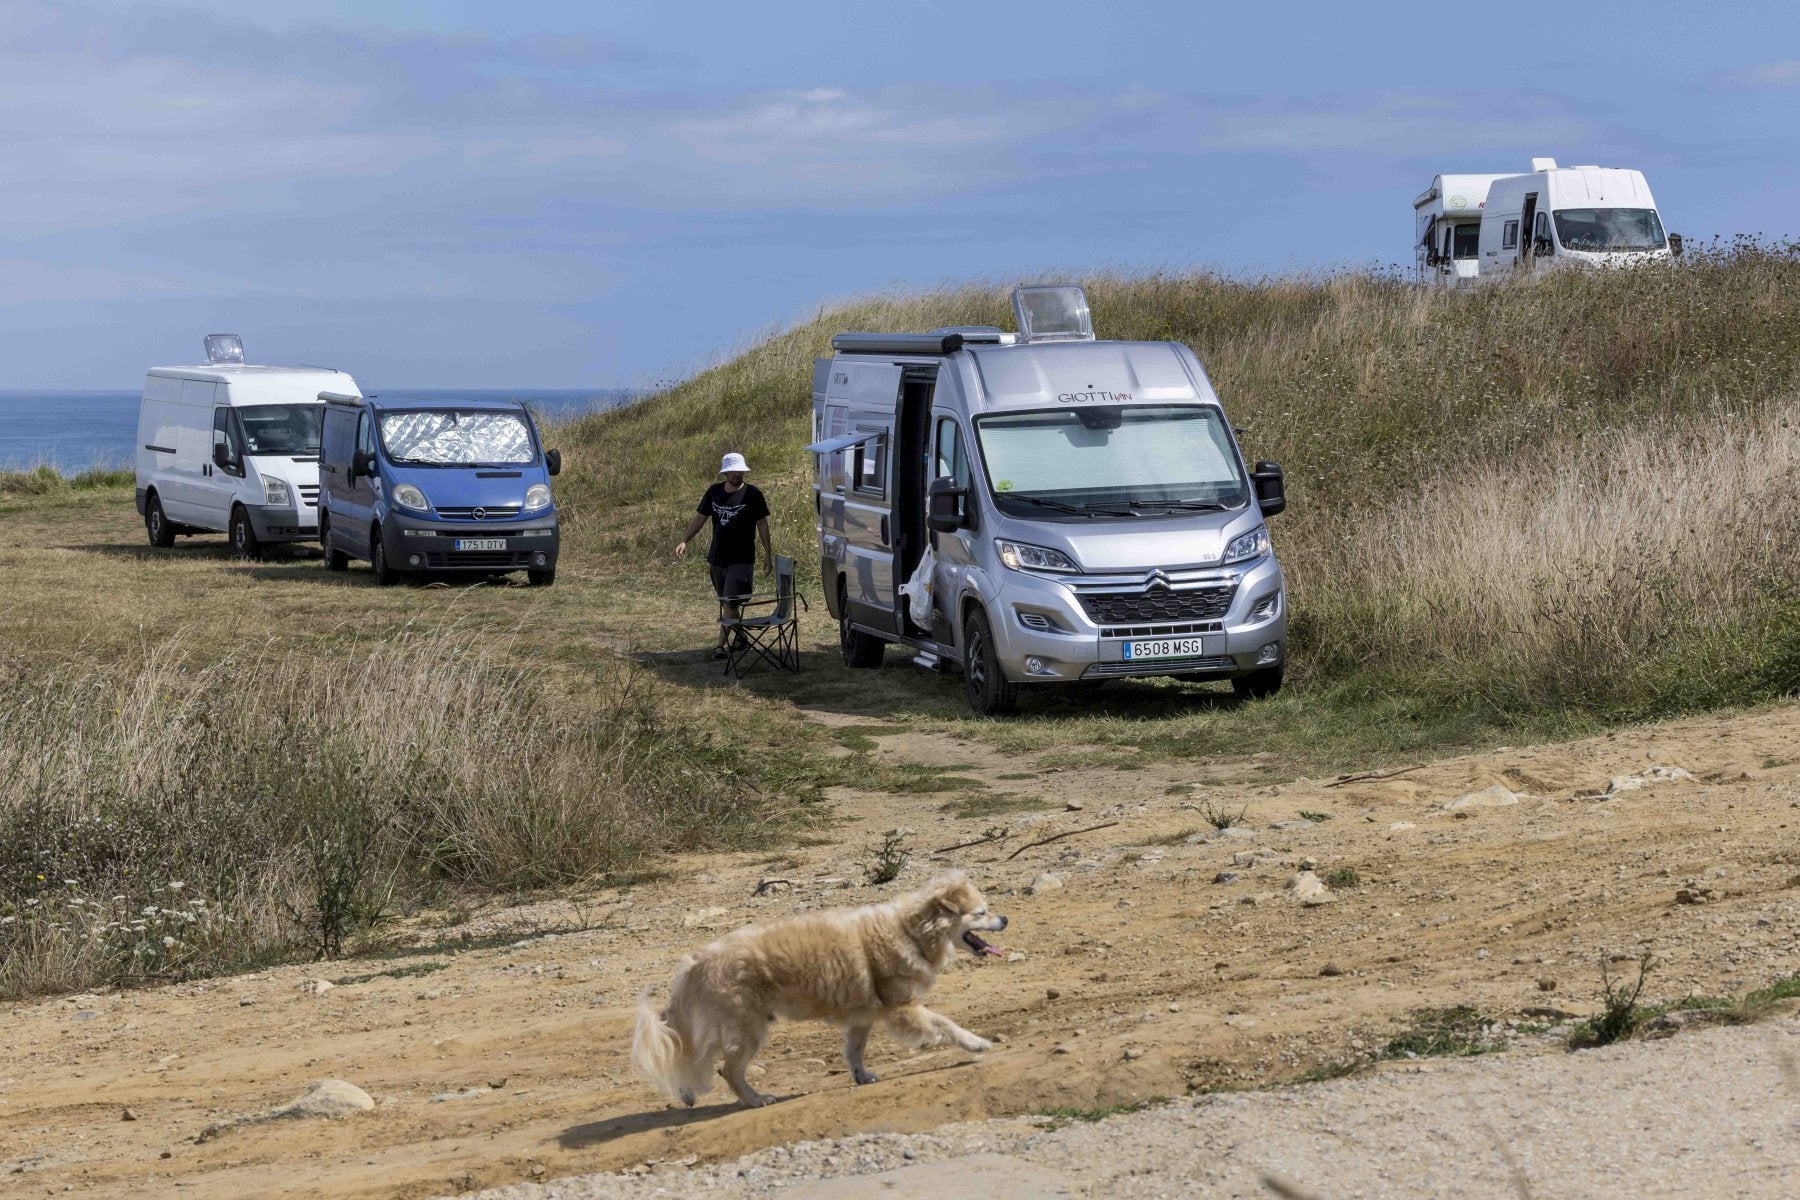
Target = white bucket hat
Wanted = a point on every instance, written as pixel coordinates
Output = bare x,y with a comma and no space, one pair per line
733,462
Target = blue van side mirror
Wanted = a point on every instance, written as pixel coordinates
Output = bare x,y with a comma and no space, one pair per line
361,464
553,461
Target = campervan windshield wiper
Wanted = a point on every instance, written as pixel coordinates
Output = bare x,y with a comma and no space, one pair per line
1080,510
1182,505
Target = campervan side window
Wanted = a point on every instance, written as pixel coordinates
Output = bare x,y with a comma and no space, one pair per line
1509,236
1468,240
869,467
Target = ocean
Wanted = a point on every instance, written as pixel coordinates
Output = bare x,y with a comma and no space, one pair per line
75,431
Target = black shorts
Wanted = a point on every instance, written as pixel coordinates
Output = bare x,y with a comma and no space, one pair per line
733,580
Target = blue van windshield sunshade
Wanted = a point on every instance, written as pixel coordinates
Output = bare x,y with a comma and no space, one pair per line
450,438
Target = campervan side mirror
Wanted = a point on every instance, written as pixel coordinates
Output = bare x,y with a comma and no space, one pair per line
1271,488
943,505
1675,246
553,461
361,464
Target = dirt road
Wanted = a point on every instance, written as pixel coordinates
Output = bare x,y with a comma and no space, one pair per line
1171,957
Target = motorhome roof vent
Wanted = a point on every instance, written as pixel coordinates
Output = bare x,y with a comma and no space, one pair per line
224,348
1585,167
1053,313
978,335
1543,164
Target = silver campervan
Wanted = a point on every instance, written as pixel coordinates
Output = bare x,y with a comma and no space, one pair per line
1042,507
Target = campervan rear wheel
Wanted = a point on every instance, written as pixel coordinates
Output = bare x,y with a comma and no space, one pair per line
989,691
380,574
859,649
335,559
156,523
1258,685
243,536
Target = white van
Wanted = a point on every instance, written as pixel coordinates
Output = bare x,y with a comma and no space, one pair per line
232,448
1555,218
1447,228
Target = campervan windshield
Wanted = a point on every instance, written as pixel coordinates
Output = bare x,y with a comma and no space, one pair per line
456,438
1113,460
291,429
1599,229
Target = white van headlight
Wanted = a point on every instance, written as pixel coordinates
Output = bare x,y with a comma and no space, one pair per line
275,491
1022,556
1246,546
408,496
537,496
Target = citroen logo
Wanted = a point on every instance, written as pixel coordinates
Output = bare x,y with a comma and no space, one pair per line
1155,579
479,514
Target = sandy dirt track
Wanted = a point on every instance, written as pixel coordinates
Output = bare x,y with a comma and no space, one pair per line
1141,976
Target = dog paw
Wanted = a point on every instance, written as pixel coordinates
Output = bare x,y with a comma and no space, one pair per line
688,1097
756,1100
978,1044
867,1077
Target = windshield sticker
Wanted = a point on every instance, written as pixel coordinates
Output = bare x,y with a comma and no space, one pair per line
1005,485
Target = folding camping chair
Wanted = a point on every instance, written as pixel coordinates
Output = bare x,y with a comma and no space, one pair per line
773,637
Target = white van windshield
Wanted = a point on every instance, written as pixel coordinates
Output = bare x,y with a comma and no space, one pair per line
1112,460
291,429
444,437
1598,229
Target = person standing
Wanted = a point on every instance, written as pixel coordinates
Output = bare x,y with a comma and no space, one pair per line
740,517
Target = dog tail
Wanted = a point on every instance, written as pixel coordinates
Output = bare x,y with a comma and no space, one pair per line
661,1052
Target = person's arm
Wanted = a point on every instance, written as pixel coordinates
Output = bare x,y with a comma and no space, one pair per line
762,531
693,527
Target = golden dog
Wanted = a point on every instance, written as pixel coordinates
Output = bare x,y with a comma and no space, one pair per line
850,967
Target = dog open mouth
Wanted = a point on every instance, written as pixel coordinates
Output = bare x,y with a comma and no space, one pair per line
973,941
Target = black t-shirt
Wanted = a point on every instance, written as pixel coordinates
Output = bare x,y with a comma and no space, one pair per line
734,517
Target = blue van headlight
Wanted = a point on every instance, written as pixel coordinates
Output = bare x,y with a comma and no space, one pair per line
408,496
537,496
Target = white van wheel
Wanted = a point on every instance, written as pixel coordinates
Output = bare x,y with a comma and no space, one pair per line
243,536
156,523
990,693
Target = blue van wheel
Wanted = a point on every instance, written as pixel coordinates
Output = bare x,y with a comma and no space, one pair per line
335,559
542,578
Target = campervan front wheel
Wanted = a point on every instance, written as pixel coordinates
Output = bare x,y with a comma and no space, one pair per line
990,693
156,523
243,536
1258,685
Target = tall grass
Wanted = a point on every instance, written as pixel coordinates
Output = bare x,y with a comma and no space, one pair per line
46,480
164,820
1574,491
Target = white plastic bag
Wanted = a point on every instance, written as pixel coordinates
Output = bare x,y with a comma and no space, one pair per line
917,590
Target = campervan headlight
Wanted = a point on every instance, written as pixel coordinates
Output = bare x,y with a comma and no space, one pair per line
1247,546
408,496
537,496
1021,556
275,491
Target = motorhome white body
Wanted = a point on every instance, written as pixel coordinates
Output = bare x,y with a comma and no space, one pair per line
1557,218
1076,510
233,448
1447,228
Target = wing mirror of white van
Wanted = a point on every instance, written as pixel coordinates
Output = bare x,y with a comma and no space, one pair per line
553,461
1271,488
943,505
1675,246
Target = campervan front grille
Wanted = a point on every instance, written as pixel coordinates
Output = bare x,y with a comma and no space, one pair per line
489,512
1180,666
504,560
1158,605
309,495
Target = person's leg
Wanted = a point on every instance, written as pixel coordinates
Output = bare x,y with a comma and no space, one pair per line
739,581
722,588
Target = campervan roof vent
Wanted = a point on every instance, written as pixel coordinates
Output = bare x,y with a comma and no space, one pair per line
978,335
1543,164
1053,313
224,348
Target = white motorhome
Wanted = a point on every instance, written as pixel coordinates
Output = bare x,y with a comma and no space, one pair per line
1555,218
1447,228
230,447
1041,508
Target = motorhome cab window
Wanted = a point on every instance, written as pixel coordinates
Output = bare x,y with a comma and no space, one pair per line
451,438
1467,241
1113,461
867,469
282,428
1509,235
952,460
1601,229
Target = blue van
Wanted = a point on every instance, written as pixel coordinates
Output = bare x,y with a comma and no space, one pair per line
416,485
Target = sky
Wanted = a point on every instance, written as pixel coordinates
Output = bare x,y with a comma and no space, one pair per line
439,193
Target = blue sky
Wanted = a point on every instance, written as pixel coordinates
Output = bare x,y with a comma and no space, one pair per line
445,194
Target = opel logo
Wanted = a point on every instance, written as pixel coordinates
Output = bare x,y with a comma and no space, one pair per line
479,514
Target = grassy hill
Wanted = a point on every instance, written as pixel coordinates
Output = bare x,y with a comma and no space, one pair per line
1574,492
